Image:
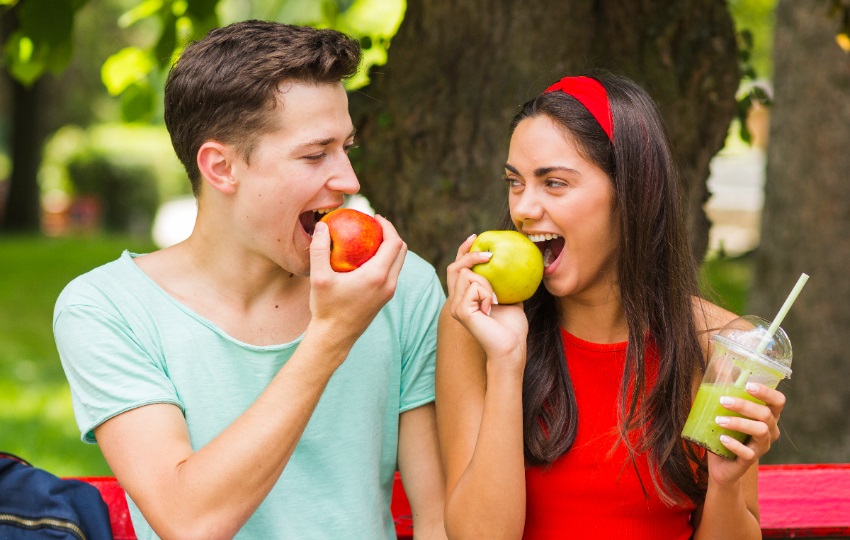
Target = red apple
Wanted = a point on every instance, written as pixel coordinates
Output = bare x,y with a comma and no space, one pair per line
355,238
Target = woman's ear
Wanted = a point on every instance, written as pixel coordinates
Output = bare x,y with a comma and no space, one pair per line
215,161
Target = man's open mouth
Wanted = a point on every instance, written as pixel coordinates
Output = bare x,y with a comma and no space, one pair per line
309,219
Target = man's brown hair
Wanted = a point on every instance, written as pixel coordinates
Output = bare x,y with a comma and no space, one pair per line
224,85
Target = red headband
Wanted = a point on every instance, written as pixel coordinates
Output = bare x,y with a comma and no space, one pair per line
590,93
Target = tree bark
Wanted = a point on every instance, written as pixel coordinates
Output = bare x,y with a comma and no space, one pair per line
433,122
806,228
21,210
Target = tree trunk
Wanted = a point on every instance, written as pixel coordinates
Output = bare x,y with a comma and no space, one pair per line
806,228
433,123
21,211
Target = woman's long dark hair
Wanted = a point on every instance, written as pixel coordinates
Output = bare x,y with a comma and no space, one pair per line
657,278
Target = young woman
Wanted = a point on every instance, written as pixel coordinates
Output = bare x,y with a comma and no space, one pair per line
562,417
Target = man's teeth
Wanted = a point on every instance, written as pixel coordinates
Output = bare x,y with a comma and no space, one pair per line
542,237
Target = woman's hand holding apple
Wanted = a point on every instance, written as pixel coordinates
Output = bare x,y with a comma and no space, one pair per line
500,329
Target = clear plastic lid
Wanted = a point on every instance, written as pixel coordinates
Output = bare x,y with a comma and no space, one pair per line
746,333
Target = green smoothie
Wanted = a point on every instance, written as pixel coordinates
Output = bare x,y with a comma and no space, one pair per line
701,426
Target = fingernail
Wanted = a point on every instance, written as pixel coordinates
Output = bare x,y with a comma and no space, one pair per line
495,300
752,387
726,400
470,237
725,439
486,254
722,420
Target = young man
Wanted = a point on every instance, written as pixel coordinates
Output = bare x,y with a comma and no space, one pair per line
236,385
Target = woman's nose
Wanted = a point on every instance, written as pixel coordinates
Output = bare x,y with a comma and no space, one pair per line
525,206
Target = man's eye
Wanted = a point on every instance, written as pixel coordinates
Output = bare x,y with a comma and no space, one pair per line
315,157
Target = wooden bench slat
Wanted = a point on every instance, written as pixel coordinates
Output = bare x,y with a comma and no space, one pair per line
805,501
796,501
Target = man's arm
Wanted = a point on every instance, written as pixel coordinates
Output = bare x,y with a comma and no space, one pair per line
422,471
211,492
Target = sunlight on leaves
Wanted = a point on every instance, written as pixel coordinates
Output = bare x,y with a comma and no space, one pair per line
125,68
144,10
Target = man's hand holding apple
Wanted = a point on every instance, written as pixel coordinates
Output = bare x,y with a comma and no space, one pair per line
343,305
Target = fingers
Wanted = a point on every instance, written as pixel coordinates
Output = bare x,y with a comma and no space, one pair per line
471,293
465,259
759,421
774,399
320,251
464,248
392,250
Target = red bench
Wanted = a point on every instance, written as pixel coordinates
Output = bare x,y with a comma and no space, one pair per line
796,501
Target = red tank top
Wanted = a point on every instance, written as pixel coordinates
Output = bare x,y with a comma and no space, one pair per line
588,492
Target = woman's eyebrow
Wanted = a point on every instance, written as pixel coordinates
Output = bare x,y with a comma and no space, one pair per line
543,171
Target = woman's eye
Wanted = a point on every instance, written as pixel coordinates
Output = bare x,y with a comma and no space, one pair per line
349,148
555,183
315,157
512,182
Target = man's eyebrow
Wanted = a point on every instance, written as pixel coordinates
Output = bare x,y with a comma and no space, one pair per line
543,171
326,141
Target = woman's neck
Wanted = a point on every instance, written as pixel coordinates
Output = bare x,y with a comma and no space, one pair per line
599,320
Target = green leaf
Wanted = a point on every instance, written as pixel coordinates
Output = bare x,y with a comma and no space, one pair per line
137,102
125,68
167,42
48,21
201,9
144,10
25,59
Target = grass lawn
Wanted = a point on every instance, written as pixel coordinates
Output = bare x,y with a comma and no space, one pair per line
36,420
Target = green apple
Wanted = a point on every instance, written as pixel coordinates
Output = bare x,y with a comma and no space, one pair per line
516,267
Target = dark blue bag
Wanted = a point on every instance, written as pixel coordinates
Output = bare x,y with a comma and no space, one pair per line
35,504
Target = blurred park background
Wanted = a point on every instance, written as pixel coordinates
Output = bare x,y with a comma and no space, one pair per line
756,95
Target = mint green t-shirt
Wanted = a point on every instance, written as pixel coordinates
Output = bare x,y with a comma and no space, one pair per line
124,343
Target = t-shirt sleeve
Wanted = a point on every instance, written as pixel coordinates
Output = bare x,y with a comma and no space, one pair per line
108,369
420,345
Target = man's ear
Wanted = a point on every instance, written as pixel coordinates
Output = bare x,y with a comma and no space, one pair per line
215,161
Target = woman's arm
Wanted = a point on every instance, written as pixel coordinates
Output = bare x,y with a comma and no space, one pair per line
479,416
480,363
730,509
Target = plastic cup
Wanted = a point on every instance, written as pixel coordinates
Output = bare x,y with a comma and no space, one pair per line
735,361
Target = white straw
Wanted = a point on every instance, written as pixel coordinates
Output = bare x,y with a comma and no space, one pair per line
782,312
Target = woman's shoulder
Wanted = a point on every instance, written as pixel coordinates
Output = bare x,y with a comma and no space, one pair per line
708,316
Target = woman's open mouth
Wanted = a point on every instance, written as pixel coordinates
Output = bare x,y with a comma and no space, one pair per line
550,245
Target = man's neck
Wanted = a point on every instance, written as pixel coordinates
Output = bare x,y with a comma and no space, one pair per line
251,299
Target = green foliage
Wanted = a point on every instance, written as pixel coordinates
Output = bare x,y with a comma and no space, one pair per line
127,192
754,20
726,281
43,38
35,404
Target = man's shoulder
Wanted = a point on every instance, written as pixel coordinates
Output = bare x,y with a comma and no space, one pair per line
417,269
98,284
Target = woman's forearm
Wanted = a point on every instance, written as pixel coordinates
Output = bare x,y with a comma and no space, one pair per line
488,501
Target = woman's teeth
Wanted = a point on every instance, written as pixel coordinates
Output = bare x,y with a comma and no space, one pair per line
542,237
